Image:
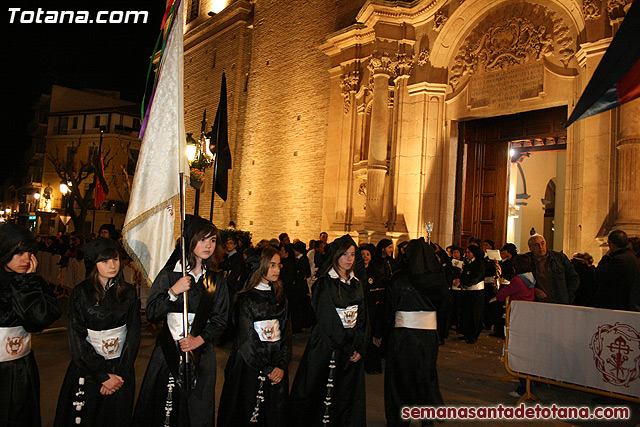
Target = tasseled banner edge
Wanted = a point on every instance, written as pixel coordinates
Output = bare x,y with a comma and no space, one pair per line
168,407
326,419
80,402
259,398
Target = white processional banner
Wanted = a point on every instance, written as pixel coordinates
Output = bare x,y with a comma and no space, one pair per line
149,226
592,347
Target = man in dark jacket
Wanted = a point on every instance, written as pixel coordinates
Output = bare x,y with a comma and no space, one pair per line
556,279
618,275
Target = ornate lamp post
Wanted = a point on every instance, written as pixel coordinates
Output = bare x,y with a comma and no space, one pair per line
199,160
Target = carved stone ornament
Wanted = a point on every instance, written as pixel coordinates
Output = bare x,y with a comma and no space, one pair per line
349,83
362,189
591,9
439,20
504,41
404,64
615,9
423,57
381,64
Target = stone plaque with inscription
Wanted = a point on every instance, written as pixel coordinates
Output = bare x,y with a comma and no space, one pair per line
506,88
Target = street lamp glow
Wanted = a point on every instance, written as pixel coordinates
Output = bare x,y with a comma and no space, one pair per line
7,211
191,152
64,189
36,196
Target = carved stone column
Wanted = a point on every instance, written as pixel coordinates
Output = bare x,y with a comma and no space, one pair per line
628,167
404,66
381,68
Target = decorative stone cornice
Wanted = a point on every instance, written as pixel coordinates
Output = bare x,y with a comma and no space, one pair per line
591,9
237,13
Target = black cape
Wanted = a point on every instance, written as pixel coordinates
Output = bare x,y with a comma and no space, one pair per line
250,358
411,378
348,404
199,408
86,313
25,300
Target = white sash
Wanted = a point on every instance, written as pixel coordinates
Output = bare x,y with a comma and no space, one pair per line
108,343
477,287
348,316
16,343
268,330
417,320
174,321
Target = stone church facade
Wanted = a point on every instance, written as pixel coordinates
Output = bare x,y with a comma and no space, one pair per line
373,118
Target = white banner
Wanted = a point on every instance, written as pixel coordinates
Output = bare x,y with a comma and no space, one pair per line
592,347
149,225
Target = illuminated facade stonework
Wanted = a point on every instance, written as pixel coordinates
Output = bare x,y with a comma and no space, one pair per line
345,116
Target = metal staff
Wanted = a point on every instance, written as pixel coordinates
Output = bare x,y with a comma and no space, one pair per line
429,227
184,365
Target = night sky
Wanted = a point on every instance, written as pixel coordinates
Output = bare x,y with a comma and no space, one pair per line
36,56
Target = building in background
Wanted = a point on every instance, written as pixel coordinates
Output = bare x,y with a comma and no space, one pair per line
372,118
66,128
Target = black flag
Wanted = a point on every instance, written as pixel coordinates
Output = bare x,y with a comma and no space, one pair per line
220,146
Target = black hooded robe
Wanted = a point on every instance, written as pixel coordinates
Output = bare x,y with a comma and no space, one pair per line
250,358
25,300
85,313
411,378
329,336
197,409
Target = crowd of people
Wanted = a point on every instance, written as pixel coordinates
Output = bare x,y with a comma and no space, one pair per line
360,304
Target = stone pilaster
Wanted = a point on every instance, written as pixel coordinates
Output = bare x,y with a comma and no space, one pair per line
382,68
627,169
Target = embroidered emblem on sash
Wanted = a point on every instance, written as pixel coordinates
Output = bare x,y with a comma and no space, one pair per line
110,346
14,345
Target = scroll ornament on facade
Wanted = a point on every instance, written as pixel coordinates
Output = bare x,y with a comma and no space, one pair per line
591,10
439,20
349,83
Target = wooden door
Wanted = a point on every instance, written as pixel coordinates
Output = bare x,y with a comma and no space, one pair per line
486,168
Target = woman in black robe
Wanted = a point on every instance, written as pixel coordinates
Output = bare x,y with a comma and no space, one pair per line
166,398
329,386
415,295
104,336
27,304
472,297
374,294
256,383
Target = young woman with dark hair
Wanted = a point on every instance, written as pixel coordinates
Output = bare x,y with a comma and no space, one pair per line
256,383
104,336
27,305
329,386
165,398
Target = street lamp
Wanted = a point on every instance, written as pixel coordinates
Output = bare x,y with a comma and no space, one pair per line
199,160
64,188
192,147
